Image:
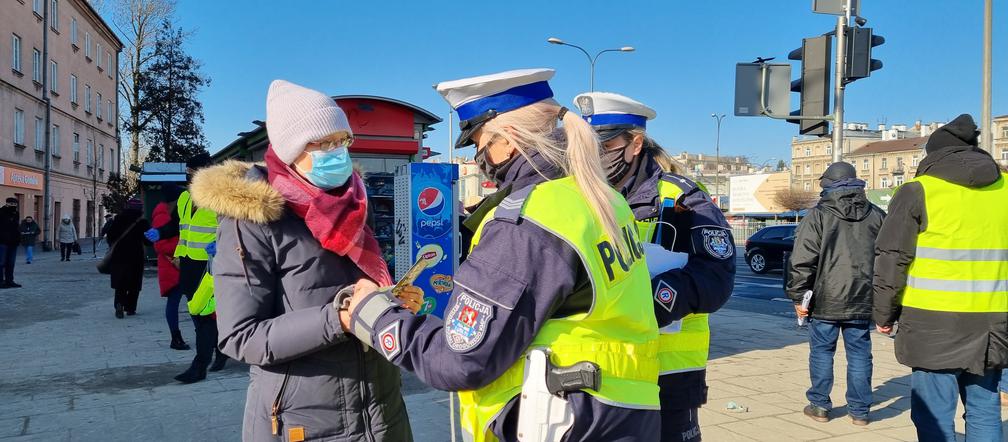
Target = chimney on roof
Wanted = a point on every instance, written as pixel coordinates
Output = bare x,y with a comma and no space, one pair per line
881,127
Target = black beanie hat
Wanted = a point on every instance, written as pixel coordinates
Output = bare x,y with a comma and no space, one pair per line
961,131
838,171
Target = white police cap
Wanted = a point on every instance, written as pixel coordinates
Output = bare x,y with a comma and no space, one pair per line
612,114
478,99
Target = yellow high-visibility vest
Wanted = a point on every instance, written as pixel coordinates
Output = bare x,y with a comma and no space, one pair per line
197,229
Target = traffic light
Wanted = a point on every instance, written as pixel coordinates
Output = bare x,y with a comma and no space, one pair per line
860,42
813,85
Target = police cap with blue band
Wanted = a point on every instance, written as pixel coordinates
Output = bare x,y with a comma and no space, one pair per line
476,100
613,114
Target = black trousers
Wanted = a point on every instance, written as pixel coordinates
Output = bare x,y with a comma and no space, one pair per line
206,340
680,425
127,299
10,258
65,249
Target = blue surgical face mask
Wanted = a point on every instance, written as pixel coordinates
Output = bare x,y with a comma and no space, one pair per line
331,169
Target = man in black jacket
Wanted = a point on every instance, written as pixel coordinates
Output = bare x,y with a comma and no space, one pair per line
10,237
832,257
941,271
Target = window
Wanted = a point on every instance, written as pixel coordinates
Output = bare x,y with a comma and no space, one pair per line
101,156
18,127
73,31
37,6
53,76
87,45
1004,131
808,151
864,165
808,170
54,15
808,186
885,163
15,52
899,180
90,152
54,137
915,161
109,116
885,182
73,88
98,56
1004,154
829,150
76,147
776,233
108,64
98,105
87,98
39,133
36,65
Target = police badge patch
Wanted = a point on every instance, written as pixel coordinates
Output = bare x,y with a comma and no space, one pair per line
718,243
466,323
388,340
665,295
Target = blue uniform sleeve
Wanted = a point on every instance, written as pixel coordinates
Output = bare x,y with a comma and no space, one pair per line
511,283
707,280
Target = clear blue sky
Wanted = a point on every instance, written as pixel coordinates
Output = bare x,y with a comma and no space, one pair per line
683,67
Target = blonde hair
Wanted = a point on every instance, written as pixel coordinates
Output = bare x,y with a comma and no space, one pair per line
664,160
531,127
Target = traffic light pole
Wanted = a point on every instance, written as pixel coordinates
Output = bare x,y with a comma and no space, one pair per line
838,80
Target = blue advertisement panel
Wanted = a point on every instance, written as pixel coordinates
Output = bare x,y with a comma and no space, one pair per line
434,231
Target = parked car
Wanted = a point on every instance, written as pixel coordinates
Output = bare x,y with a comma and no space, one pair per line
765,249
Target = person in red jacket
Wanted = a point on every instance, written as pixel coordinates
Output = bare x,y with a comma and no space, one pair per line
168,272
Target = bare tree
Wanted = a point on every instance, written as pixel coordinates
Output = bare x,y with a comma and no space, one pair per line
795,200
138,22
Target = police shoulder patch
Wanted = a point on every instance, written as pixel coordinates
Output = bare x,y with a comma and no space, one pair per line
388,340
665,295
717,243
466,323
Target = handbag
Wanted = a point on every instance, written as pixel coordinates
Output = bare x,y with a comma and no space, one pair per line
105,265
76,247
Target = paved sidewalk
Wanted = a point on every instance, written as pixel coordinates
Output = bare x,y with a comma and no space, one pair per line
72,371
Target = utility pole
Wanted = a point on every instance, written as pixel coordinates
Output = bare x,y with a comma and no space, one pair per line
47,168
838,80
717,156
986,130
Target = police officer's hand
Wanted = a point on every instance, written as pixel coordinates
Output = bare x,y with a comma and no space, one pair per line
211,248
800,311
412,297
152,235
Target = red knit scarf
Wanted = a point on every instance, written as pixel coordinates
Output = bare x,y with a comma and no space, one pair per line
335,218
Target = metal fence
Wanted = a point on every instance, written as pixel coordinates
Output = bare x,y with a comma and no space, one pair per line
742,229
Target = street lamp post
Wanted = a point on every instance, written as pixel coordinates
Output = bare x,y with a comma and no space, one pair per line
591,60
717,154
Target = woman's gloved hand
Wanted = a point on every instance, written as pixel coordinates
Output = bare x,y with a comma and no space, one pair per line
412,297
152,235
211,248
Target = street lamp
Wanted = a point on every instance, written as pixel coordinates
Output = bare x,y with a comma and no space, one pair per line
717,154
591,60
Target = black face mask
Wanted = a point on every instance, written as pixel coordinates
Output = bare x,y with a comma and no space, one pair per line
615,166
496,172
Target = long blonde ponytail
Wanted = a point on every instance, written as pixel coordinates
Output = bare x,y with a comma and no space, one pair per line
532,127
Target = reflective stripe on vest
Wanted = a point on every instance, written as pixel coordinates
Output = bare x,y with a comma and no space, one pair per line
619,332
961,261
684,346
196,230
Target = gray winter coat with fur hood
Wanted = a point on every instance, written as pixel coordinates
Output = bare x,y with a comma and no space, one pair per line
274,285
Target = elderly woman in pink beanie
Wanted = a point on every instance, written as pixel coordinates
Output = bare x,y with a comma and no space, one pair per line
291,236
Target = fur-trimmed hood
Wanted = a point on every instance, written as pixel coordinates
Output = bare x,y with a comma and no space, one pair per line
238,190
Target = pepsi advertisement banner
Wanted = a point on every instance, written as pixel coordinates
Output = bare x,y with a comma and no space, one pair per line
433,227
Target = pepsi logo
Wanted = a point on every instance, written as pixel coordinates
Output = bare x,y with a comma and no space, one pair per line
431,201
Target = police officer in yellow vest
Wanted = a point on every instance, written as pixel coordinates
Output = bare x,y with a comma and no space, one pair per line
556,274
197,235
941,272
691,251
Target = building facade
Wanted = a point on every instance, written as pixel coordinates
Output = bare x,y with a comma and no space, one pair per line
1000,150
888,164
78,73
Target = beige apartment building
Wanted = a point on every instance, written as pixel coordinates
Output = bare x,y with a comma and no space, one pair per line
1000,150
811,156
888,164
81,71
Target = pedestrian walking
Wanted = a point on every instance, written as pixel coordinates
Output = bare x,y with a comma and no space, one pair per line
10,237
167,265
292,235
126,240
66,234
555,275
29,236
833,256
940,272
702,277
